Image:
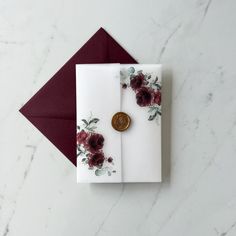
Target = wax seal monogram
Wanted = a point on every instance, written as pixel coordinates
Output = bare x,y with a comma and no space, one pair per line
120,121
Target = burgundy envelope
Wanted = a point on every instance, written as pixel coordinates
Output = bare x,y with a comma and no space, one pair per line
53,108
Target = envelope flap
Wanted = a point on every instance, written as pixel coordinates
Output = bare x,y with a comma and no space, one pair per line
53,108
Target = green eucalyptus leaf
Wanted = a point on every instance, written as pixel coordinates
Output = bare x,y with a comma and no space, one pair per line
152,117
83,159
90,129
99,172
159,112
151,109
95,120
158,86
79,153
131,70
85,121
109,173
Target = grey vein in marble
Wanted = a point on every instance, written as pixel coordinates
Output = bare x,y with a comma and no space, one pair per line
110,210
206,9
163,48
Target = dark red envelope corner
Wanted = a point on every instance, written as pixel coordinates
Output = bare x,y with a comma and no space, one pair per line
52,110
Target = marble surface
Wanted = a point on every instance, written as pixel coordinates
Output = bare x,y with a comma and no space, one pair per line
195,40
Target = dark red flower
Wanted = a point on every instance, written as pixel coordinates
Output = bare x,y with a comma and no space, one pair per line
110,159
96,159
157,97
137,81
144,97
81,137
95,142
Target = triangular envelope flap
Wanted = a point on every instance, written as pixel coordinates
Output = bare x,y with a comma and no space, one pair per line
51,128
53,108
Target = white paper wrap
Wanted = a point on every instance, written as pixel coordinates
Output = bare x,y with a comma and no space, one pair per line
130,156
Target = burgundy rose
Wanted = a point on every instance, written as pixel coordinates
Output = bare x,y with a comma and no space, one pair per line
157,97
96,159
137,81
144,97
81,137
110,159
95,142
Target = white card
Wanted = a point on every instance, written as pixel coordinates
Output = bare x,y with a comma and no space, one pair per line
104,154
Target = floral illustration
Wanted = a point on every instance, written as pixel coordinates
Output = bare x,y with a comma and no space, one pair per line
147,90
89,148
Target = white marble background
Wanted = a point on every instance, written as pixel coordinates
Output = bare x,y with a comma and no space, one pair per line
195,40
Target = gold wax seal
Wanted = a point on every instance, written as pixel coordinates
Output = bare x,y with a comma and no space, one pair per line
120,121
